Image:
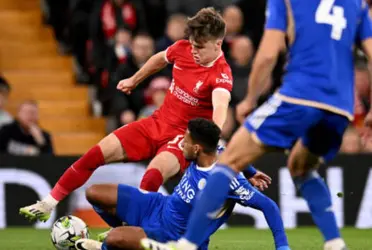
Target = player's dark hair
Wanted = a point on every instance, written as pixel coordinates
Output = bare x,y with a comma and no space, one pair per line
205,25
205,133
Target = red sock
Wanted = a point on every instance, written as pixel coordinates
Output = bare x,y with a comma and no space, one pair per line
152,180
79,172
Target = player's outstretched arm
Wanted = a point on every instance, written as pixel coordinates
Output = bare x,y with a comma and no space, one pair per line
272,43
220,102
153,65
365,35
367,47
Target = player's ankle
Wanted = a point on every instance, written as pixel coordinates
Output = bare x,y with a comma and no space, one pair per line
50,201
185,244
335,244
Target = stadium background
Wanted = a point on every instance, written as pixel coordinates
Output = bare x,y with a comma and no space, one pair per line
68,55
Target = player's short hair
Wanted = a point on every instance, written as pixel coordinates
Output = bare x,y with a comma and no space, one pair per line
205,133
207,24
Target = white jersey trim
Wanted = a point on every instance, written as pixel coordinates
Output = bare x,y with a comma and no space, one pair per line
205,169
165,56
222,89
314,104
208,65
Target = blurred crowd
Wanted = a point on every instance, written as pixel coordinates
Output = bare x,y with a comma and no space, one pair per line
111,39
22,135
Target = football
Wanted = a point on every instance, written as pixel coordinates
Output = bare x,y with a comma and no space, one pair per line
66,230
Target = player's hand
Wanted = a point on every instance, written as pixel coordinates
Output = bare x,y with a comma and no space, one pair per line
243,109
260,180
368,120
126,85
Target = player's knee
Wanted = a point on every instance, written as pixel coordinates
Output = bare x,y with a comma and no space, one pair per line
294,165
301,161
92,194
112,149
102,195
232,160
299,166
167,164
114,238
242,150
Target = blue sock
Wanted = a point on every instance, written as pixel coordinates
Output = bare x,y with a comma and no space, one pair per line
318,198
272,215
104,246
113,221
211,200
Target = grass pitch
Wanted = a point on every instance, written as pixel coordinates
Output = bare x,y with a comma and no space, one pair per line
228,239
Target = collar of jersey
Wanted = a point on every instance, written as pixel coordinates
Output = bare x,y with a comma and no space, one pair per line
205,169
208,65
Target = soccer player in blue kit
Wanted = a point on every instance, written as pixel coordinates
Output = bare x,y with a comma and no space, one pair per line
307,115
164,218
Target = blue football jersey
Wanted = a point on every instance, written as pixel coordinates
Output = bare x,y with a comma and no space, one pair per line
321,34
179,205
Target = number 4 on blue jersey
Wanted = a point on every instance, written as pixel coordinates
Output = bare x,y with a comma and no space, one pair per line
320,70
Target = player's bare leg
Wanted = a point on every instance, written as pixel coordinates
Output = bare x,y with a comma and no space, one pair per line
301,160
164,166
104,196
243,149
109,149
302,165
117,238
125,237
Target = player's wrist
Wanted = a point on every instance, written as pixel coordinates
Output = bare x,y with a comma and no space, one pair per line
250,172
251,100
135,80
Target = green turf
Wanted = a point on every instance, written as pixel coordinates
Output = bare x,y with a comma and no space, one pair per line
229,239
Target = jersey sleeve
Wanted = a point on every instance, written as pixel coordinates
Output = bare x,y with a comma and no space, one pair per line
276,15
241,191
250,171
365,26
223,78
172,51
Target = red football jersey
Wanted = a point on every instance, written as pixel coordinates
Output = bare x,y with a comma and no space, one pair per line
190,94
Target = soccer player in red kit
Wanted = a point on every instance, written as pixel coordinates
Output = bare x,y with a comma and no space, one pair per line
200,87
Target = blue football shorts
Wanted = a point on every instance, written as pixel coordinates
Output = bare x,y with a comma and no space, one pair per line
280,124
143,209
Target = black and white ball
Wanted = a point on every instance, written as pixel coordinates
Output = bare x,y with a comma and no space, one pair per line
67,230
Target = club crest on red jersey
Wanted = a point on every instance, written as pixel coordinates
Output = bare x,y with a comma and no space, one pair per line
197,86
